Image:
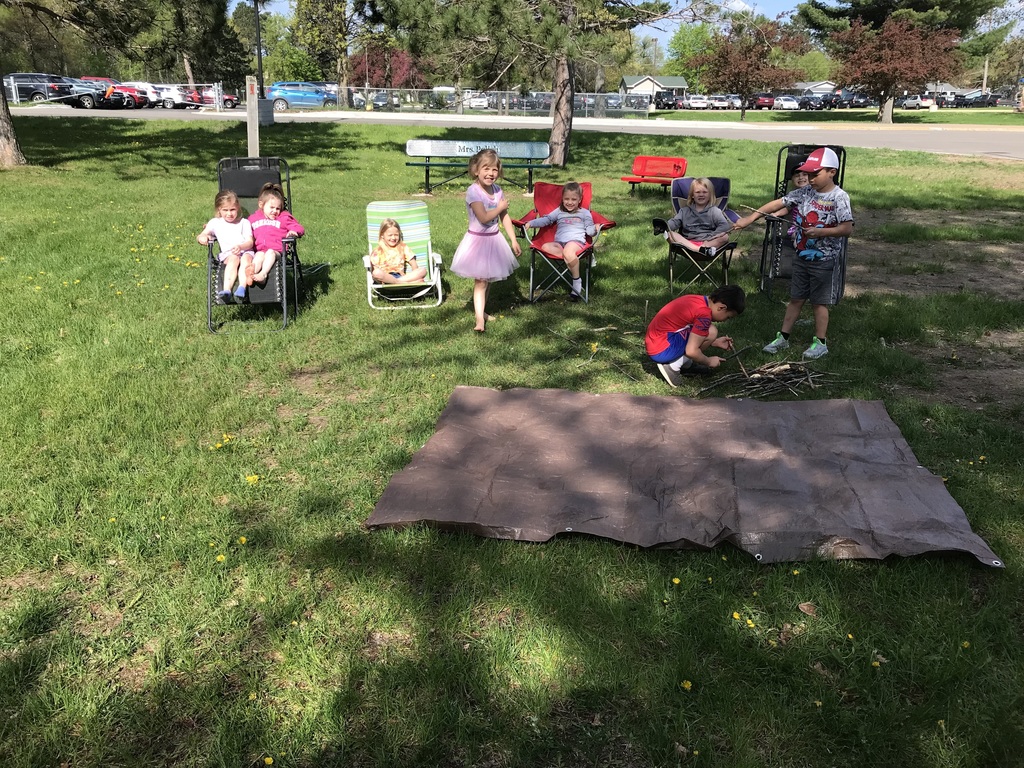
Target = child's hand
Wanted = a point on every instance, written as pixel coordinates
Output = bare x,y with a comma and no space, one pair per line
714,362
515,248
292,234
723,342
203,239
808,230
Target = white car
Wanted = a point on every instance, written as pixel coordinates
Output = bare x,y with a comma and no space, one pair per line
918,102
735,102
718,101
786,102
172,97
149,90
478,102
696,101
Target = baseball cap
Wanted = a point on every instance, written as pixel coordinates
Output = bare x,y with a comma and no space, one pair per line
823,157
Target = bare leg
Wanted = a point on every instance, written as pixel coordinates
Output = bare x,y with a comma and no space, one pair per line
269,257
414,276
253,268
571,254
479,304
820,320
792,313
230,271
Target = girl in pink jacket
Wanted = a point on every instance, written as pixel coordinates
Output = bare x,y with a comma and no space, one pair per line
271,224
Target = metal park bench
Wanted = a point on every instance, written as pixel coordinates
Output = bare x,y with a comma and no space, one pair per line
436,153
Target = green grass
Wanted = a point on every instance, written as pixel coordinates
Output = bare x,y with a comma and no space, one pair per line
186,578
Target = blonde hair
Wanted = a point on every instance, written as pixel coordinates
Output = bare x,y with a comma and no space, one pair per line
489,156
708,186
387,224
224,196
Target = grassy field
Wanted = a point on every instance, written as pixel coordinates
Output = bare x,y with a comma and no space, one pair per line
186,578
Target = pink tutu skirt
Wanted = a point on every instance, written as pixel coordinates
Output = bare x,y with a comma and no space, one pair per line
484,256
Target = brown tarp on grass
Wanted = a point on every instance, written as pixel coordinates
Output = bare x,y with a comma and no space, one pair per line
780,480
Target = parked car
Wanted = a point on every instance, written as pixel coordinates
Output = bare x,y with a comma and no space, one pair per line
985,100
918,102
36,86
718,101
664,100
132,97
612,100
761,101
382,100
208,97
899,101
831,101
944,101
174,97
860,100
810,102
478,101
86,94
697,101
735,102
285,95
153,96
785,102
637,100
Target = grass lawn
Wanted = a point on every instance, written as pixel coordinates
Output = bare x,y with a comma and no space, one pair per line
186,578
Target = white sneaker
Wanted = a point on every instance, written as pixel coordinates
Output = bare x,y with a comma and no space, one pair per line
816,350
779,343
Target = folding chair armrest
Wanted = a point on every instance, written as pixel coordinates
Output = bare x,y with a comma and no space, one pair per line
435,258
367,264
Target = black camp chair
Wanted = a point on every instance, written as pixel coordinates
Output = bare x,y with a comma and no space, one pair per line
245,176
777,251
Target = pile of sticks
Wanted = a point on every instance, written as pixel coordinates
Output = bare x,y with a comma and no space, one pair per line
775,378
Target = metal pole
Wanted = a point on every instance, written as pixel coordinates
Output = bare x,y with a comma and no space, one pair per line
259,51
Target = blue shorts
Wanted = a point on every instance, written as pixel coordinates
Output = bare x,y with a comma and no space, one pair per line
676,347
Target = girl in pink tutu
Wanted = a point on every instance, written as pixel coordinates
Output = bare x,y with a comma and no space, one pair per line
483,253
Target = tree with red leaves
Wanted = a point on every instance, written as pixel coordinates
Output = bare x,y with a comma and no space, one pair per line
900,55
742,60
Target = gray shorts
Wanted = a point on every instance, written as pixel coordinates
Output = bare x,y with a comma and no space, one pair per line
815,281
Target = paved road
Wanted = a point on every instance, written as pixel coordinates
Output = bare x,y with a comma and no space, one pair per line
998,142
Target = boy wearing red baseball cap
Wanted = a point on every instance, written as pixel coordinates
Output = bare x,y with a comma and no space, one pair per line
822,218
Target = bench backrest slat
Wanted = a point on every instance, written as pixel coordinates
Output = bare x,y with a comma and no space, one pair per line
509,150
650,165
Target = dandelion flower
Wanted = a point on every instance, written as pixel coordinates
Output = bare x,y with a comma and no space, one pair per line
736,615
981,458
965,644
849,637
252,479
220,558
817,703
875,664
252,697
796,572
242,539
750,623
268,760
111,520
675,580
686,685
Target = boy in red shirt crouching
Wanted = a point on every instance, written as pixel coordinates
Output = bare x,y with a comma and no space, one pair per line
683,331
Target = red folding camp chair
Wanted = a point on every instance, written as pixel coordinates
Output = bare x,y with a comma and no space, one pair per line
548,271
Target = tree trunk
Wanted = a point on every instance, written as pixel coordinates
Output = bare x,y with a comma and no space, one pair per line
188,72
885,111
10,152
599,98
561,112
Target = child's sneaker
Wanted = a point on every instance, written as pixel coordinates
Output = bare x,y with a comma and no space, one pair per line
778,344
708,250
223,297
816,350
672,377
